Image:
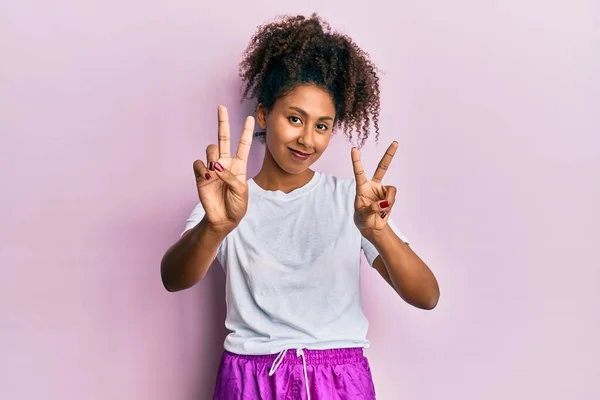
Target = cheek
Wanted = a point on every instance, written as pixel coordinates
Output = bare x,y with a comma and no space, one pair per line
276,139
281,133
324,142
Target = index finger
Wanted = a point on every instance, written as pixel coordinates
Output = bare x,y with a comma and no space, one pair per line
243,150
224,142
359,172
385,162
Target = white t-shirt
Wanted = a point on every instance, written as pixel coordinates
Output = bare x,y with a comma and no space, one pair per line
292,267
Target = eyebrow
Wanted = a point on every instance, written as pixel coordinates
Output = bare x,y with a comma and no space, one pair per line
305,114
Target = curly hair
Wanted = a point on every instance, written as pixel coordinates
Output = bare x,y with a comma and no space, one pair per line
295,50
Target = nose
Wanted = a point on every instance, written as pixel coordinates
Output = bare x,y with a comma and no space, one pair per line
307,138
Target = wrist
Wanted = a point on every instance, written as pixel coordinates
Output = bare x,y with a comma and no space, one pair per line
217,231
374,235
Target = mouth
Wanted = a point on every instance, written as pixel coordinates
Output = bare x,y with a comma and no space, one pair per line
298,154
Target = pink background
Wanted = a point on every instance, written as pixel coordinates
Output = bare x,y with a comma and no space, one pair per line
105,105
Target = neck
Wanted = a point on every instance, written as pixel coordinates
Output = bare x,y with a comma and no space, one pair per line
272,177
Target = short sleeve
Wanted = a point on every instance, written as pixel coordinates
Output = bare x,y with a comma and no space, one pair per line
371,252
194,218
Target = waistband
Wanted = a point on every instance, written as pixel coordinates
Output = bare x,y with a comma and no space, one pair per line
313,357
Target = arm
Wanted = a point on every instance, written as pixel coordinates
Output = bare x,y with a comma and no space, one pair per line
223,193
396,262
404,270
188,260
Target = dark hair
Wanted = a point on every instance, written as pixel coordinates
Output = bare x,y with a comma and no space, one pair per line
294,50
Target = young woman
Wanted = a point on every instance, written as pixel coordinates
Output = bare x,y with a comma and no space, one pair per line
290,238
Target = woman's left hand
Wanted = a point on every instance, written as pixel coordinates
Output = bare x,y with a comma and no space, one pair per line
374,201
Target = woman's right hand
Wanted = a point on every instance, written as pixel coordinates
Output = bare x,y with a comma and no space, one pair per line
221,182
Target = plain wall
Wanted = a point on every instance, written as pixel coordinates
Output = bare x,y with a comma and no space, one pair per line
105,105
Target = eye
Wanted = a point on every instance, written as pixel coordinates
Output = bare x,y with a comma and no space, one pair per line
295,120
322,127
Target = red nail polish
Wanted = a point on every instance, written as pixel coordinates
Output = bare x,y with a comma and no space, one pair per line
211,165
384,204
219,167
382,214
207,175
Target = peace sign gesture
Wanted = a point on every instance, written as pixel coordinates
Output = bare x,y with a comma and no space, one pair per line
374,201
222,187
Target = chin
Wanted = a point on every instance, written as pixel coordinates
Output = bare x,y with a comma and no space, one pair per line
294,171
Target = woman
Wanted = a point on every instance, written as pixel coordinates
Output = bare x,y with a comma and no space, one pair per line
290,238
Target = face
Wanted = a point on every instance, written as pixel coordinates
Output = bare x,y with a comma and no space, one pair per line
298,127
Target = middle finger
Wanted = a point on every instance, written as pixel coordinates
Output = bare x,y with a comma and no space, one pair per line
224,136
385,162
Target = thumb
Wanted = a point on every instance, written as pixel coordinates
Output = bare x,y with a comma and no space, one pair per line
229,179
390,197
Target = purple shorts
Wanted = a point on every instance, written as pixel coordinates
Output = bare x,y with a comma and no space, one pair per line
296,375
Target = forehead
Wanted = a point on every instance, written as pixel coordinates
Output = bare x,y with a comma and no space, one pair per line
311,98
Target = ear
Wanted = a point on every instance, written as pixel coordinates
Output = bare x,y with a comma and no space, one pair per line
261,116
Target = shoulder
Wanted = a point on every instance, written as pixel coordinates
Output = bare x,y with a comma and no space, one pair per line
338,190
337,184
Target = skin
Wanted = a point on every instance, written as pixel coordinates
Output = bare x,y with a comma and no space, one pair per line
303,121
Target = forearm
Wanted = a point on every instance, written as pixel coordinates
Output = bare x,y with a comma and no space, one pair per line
408,274
188,260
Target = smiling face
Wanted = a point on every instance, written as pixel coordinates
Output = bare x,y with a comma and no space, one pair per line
298,127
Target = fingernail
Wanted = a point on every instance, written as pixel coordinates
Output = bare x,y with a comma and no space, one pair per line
384,204
211,165
382,214
218,167
207,175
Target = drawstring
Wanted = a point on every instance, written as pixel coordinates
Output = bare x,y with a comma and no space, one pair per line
300,352
277,362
